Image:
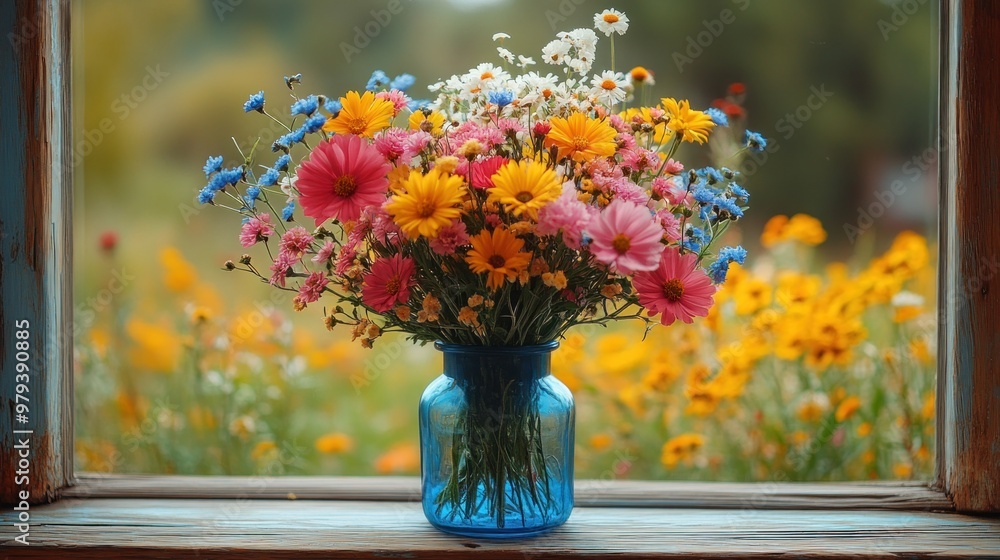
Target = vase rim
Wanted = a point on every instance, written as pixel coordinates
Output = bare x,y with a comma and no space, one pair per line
449,348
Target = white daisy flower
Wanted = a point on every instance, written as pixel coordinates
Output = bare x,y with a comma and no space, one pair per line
555,52
525,61
500,36
609,87
611,21
506,55
583,39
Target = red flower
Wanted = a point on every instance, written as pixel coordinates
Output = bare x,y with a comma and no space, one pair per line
388,283
340,178
678,288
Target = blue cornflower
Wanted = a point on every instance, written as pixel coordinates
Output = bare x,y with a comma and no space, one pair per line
253,193
288,140
739,191
705,213
692,246
333,106
729,205
727,255
225,177
296,79
216,183
255,103
402,82
282,163
314,123
378,81
415,105
711,175
206,195
269,178
232,175
501,98
288,210
213,164
305,106
249,202
735,254
717,116
754,141
704,195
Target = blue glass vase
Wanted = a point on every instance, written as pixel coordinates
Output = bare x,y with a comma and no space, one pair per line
496,442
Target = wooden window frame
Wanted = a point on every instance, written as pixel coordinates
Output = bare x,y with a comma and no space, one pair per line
36,285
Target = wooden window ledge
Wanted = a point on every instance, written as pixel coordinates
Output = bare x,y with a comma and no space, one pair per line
246,525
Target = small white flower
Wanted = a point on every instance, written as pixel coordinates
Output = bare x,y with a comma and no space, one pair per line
555,52
500,36
506,55
611,21
583,39
580,66
609,87
525,61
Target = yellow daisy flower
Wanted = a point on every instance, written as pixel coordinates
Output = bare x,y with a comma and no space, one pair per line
432,121
428,203
581,137
499,255
524,187
362,115
688,124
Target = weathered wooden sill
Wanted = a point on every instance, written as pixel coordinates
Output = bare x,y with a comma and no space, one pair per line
143,517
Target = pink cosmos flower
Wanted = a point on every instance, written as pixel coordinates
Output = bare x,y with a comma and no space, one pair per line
566,214
312,288
344,260
340,178
396,97
488,136
669,190
384,228
325,253
280,269
256,229
391,143
388,283
626,237
295,242
639,159
506,126
619,124
673,167
678,288
416,142
624,189
483,171
671,225
450,238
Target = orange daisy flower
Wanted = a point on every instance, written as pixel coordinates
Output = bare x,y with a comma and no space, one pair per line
362,115
581,137
499,255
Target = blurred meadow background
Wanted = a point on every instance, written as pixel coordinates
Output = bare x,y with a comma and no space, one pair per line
817,363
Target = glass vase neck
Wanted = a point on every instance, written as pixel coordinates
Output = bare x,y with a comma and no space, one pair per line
470,363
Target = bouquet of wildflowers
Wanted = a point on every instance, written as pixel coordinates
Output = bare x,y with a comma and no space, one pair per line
523,199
